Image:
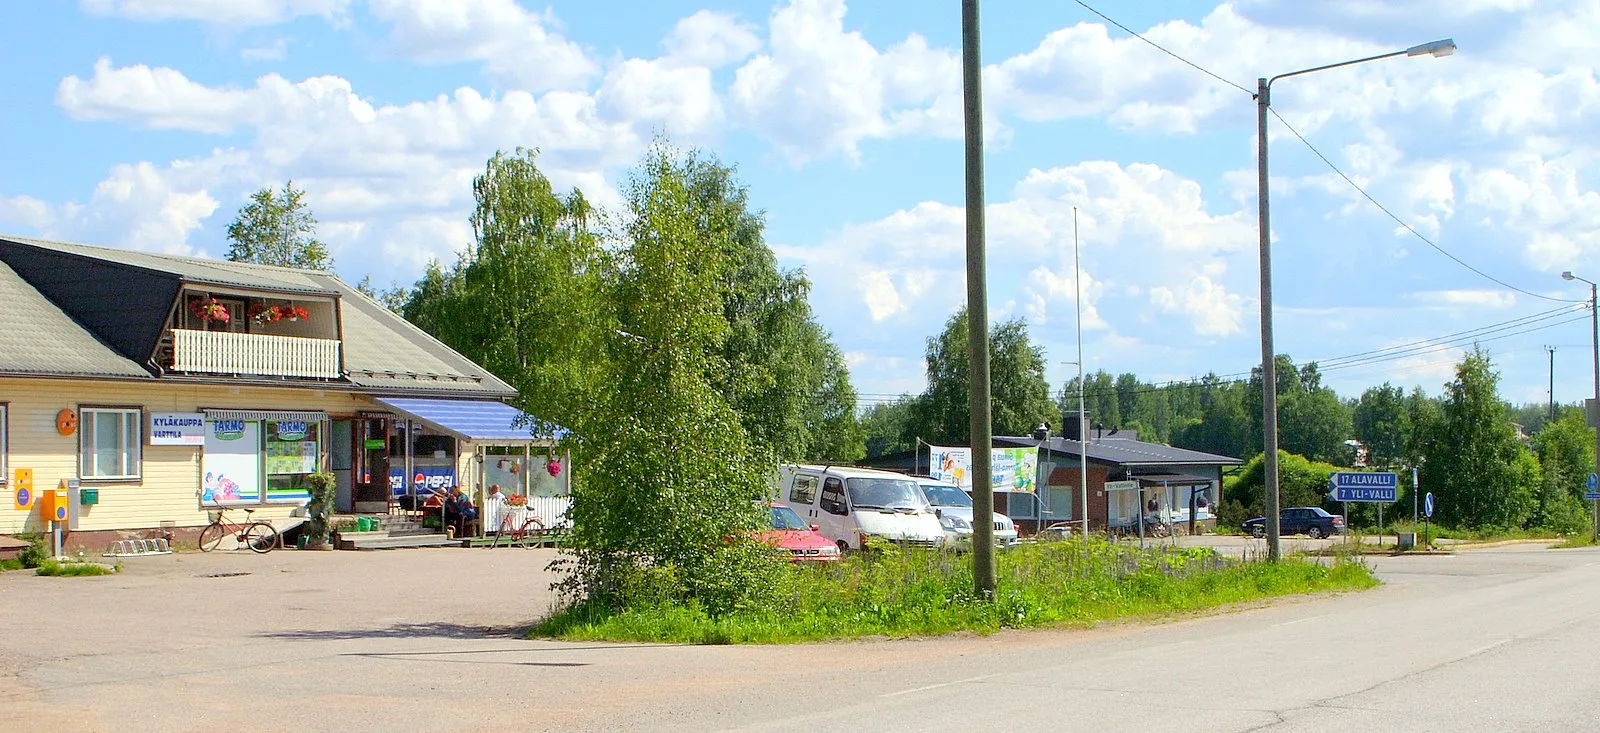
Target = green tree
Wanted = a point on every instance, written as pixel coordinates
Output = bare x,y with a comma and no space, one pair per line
1019,394
1383,425
394,297
888,426
781,372
1301,482
1472,455
666,509
277,228
1565,450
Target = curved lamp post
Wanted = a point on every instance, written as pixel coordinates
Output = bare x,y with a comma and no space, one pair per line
1269,380
1594,319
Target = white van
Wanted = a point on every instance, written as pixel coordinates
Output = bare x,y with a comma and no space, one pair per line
848,504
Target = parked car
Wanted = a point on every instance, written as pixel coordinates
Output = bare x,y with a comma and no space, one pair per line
1311,521
850,504
954,509
802,541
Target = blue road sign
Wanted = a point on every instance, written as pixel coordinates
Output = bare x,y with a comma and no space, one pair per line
1364,486
1593,486
1427,505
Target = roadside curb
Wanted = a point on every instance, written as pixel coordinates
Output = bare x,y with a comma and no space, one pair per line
1505,543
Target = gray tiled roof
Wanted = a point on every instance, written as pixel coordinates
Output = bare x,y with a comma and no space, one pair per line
383,352
37,338
1126,452
198,270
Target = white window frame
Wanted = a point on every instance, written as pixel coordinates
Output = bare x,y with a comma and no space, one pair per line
129,443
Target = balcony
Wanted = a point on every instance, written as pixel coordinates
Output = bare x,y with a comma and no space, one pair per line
252,354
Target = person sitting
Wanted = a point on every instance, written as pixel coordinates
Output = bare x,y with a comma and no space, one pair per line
459,511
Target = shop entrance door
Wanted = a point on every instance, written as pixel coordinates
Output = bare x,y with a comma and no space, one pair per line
371,473
341,460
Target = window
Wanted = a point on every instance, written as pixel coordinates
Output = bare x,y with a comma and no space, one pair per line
293,452
804,491
833,497
108,442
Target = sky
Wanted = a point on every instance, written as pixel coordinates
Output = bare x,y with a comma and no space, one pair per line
147,123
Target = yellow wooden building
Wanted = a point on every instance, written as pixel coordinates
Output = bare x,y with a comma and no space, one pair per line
159,388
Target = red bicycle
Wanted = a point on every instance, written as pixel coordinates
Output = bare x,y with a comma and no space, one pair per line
527,533
255,534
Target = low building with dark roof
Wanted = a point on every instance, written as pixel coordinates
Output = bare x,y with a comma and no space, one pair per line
1174,485
164,387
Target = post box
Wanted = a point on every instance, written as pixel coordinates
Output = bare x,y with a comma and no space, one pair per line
53,504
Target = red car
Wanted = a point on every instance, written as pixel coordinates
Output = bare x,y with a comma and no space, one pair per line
791,534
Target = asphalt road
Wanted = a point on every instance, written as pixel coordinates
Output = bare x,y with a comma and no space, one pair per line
1492,639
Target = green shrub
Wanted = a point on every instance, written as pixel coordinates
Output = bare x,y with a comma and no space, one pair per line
73,568
35,553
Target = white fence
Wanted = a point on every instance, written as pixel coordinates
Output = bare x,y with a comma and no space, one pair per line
222,352
549,509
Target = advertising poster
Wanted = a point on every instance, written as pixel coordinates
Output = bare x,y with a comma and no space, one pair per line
433,478
1012,469
230,466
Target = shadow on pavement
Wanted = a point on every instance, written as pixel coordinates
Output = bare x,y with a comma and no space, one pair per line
440,630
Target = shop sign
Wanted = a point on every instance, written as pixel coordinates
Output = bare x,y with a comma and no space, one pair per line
427,478
292,429
227,429
375,444
177,428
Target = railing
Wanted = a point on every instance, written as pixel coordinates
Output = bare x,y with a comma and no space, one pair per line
223,352
548,508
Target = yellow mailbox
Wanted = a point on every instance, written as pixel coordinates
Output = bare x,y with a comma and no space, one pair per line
53,505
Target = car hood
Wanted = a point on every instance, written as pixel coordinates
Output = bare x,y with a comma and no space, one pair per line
921,525
965,512
794,539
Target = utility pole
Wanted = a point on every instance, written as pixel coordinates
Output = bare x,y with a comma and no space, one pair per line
983,570
1552,351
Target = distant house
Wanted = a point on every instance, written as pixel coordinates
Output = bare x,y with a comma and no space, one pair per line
1124,474
165,386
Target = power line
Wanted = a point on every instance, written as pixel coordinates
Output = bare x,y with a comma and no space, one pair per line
1161,48
1403,224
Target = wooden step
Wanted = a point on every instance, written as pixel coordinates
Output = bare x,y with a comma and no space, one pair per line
378,542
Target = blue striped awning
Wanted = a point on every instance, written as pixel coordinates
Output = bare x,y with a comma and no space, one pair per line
473,419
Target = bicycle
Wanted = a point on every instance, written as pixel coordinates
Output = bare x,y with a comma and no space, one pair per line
520,535
255,534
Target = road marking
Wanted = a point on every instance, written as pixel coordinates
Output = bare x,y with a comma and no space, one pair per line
1301,620
941,684
1487,647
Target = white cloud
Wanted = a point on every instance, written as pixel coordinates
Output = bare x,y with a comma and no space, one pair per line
159,98
274,51
711,39
1494,299
1212,309
218,12
514,44
821,89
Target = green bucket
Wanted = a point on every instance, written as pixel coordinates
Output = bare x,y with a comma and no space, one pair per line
364,524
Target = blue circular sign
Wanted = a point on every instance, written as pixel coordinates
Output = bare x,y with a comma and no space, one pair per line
24,497
1427,505
1593,481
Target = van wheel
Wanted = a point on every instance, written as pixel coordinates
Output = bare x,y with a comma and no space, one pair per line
843,546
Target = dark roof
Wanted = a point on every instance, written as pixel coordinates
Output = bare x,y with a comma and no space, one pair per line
1125,452
118,300
37,338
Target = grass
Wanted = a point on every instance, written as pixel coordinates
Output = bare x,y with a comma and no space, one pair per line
899,593
73,568
11,565
1582,539
1481,534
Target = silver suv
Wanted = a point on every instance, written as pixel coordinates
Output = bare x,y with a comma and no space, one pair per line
954,508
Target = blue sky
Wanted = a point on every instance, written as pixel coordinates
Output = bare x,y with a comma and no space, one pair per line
146,123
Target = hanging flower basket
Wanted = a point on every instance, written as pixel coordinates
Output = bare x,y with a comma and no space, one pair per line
267,315
208,310
554,467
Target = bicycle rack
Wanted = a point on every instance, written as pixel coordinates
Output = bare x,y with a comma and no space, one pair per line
138,548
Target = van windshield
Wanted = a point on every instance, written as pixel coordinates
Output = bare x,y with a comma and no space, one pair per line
946,495
885,493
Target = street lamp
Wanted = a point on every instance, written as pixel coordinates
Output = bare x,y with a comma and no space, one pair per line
1594,318
1269,379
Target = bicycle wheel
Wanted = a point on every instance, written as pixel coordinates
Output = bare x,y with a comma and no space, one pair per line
261,537
211,536
532,535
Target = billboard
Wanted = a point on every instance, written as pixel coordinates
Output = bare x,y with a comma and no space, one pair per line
1011,469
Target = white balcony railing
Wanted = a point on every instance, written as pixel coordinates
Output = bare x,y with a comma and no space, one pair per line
221,352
